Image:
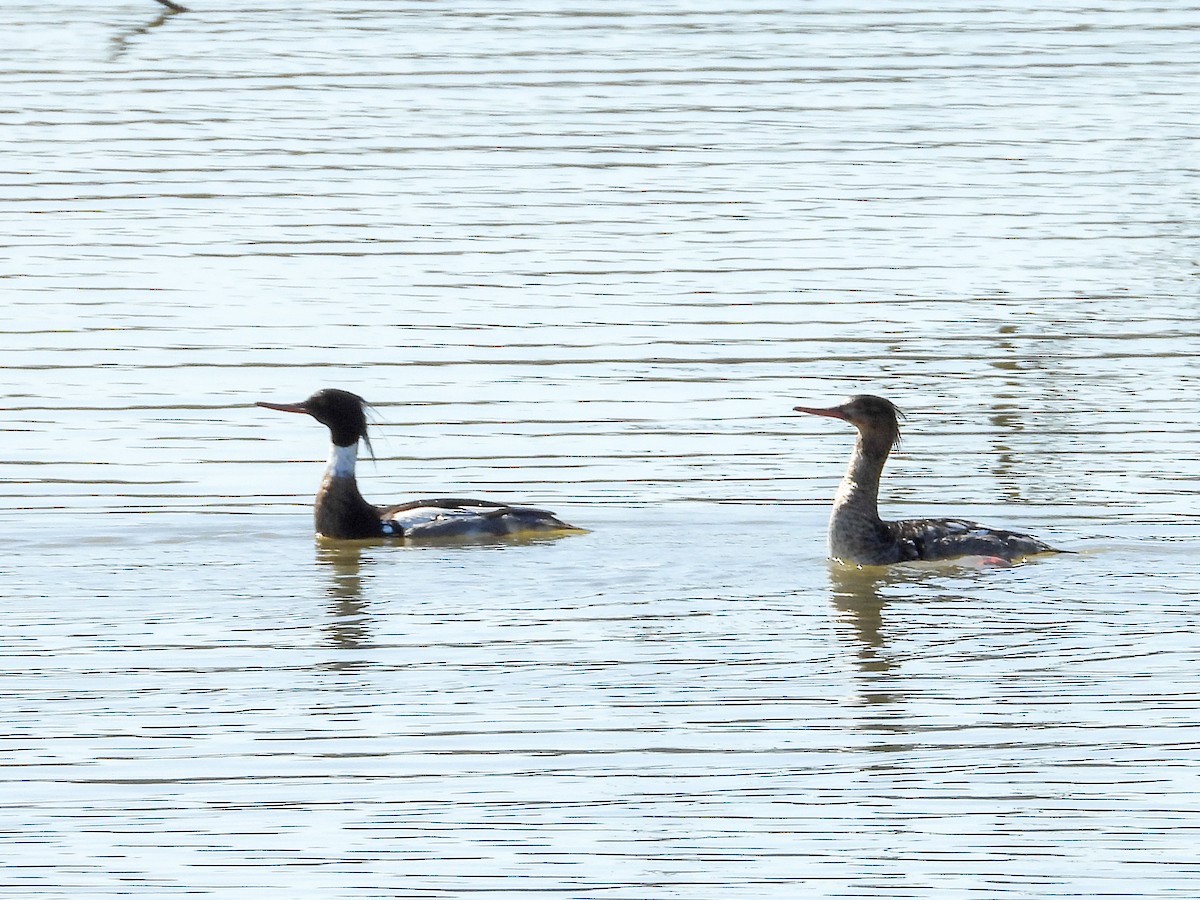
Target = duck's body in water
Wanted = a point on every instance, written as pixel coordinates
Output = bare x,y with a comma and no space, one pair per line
341,512
857,534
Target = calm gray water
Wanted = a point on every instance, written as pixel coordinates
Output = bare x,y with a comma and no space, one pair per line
588,256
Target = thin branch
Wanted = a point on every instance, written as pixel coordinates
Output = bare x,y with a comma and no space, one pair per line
170,4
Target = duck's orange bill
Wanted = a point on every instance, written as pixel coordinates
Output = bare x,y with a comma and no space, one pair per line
283,407
833,412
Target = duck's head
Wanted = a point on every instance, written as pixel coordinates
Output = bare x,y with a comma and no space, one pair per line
342,412
874,417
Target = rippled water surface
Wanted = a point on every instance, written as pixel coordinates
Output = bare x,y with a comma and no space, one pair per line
589,257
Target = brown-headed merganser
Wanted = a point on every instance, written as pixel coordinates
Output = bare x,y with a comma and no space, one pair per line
342,513
856,533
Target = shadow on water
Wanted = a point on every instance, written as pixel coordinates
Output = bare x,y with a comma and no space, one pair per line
120,42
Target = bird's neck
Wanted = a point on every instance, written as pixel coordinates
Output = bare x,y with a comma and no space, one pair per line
342,461
856,504
340,511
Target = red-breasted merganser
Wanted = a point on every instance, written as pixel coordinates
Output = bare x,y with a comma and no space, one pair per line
342,513
856,533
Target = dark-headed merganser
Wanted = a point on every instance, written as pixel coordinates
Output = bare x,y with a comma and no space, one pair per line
342,513
856,533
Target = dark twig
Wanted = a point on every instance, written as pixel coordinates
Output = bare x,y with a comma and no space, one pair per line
177,7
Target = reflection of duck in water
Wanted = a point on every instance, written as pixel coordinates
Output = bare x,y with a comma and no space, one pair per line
859,595
348,625
341,512
857,534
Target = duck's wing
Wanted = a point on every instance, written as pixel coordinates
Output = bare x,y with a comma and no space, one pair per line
457,517
935,539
